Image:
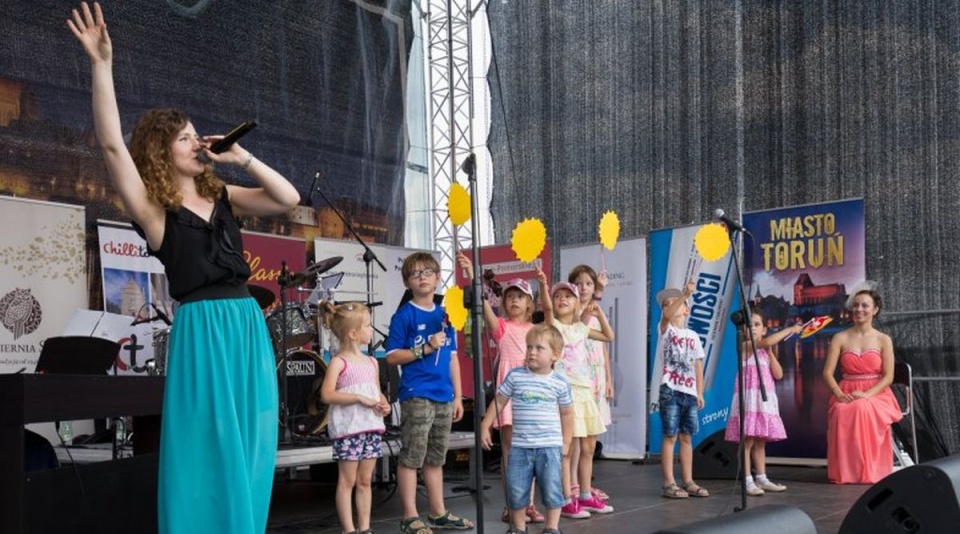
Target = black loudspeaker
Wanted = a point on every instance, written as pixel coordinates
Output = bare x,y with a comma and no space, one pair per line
921,498
777,518
716,457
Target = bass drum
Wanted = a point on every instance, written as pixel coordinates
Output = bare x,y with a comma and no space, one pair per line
305,371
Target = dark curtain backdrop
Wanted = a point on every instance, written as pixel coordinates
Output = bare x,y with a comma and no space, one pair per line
666,110
322,79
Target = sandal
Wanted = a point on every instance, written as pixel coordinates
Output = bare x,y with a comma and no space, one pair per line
534,515
695,490
673,491
449,521
414,525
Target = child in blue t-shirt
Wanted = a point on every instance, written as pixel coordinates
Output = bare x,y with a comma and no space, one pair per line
423,344
542,428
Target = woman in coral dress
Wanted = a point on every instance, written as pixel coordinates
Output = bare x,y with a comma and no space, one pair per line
859,448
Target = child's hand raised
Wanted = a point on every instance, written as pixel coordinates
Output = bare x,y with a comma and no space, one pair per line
689,288
464,263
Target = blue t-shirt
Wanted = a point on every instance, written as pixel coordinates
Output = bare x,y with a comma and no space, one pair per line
536,401
429,377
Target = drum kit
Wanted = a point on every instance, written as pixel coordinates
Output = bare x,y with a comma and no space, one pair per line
292,325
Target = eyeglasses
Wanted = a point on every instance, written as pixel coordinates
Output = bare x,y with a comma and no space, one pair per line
426,273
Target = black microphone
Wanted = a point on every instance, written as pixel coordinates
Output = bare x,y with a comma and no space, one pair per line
232,137
160,315
469,165
731,224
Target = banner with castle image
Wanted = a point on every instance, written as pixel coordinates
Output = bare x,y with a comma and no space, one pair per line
800,265
43,276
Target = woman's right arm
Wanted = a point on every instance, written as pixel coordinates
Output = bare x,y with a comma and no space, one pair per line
830,366
91,30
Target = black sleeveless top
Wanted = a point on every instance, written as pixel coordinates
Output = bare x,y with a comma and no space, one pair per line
203,260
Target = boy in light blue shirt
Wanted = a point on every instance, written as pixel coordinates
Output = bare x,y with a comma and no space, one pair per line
542,428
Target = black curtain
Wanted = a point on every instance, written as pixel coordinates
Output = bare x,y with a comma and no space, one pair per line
665,110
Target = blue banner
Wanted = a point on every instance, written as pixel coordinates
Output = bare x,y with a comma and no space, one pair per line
800,265
673,262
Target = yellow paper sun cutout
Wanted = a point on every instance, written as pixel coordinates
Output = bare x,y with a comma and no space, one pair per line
529,238
453,303
609,229
712,241
458,204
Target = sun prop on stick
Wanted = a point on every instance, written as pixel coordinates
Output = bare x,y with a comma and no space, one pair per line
529,238
609,229
458,204
456,311
712,241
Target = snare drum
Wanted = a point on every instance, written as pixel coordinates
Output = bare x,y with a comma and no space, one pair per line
300,329
305,371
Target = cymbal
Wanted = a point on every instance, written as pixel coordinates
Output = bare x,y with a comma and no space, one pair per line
323,266
262,295
315,269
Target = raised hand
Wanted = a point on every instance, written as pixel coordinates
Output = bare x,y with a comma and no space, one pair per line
464,263
91,30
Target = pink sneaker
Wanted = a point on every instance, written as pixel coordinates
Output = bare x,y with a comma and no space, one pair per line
572,510
600,494
595,506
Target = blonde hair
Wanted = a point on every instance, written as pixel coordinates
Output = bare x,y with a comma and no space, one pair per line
546,332
150,148
343,318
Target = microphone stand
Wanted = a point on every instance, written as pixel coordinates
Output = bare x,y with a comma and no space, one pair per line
284,281
745,314
469,166
368,258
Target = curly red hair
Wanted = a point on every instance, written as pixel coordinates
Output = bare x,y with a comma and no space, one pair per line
150,148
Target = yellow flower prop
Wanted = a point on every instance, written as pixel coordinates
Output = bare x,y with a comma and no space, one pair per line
712,241
458,204
453,303
609,229
529,238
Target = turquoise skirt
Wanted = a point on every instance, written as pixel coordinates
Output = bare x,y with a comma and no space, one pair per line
218,440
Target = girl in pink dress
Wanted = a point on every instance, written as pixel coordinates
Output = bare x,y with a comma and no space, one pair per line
510,334
761,419
351,386
859,448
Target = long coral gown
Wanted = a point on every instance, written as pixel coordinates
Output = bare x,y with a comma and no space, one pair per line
859,447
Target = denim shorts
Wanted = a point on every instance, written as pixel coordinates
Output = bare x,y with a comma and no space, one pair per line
678,412
424,432
525,464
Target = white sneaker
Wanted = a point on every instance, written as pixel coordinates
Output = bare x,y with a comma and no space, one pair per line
767,485
753,490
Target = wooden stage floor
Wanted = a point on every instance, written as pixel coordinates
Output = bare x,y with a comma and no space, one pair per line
304,506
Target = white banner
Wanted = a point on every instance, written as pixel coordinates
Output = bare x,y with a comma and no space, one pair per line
132,280
43,276
625,303
348,280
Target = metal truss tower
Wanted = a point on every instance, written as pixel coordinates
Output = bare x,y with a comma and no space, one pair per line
450,91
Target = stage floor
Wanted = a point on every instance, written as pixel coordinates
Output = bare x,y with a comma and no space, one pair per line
302,506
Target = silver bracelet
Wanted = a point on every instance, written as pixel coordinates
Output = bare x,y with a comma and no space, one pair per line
246,164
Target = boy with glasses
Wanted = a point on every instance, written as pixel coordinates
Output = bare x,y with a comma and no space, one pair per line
423,344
